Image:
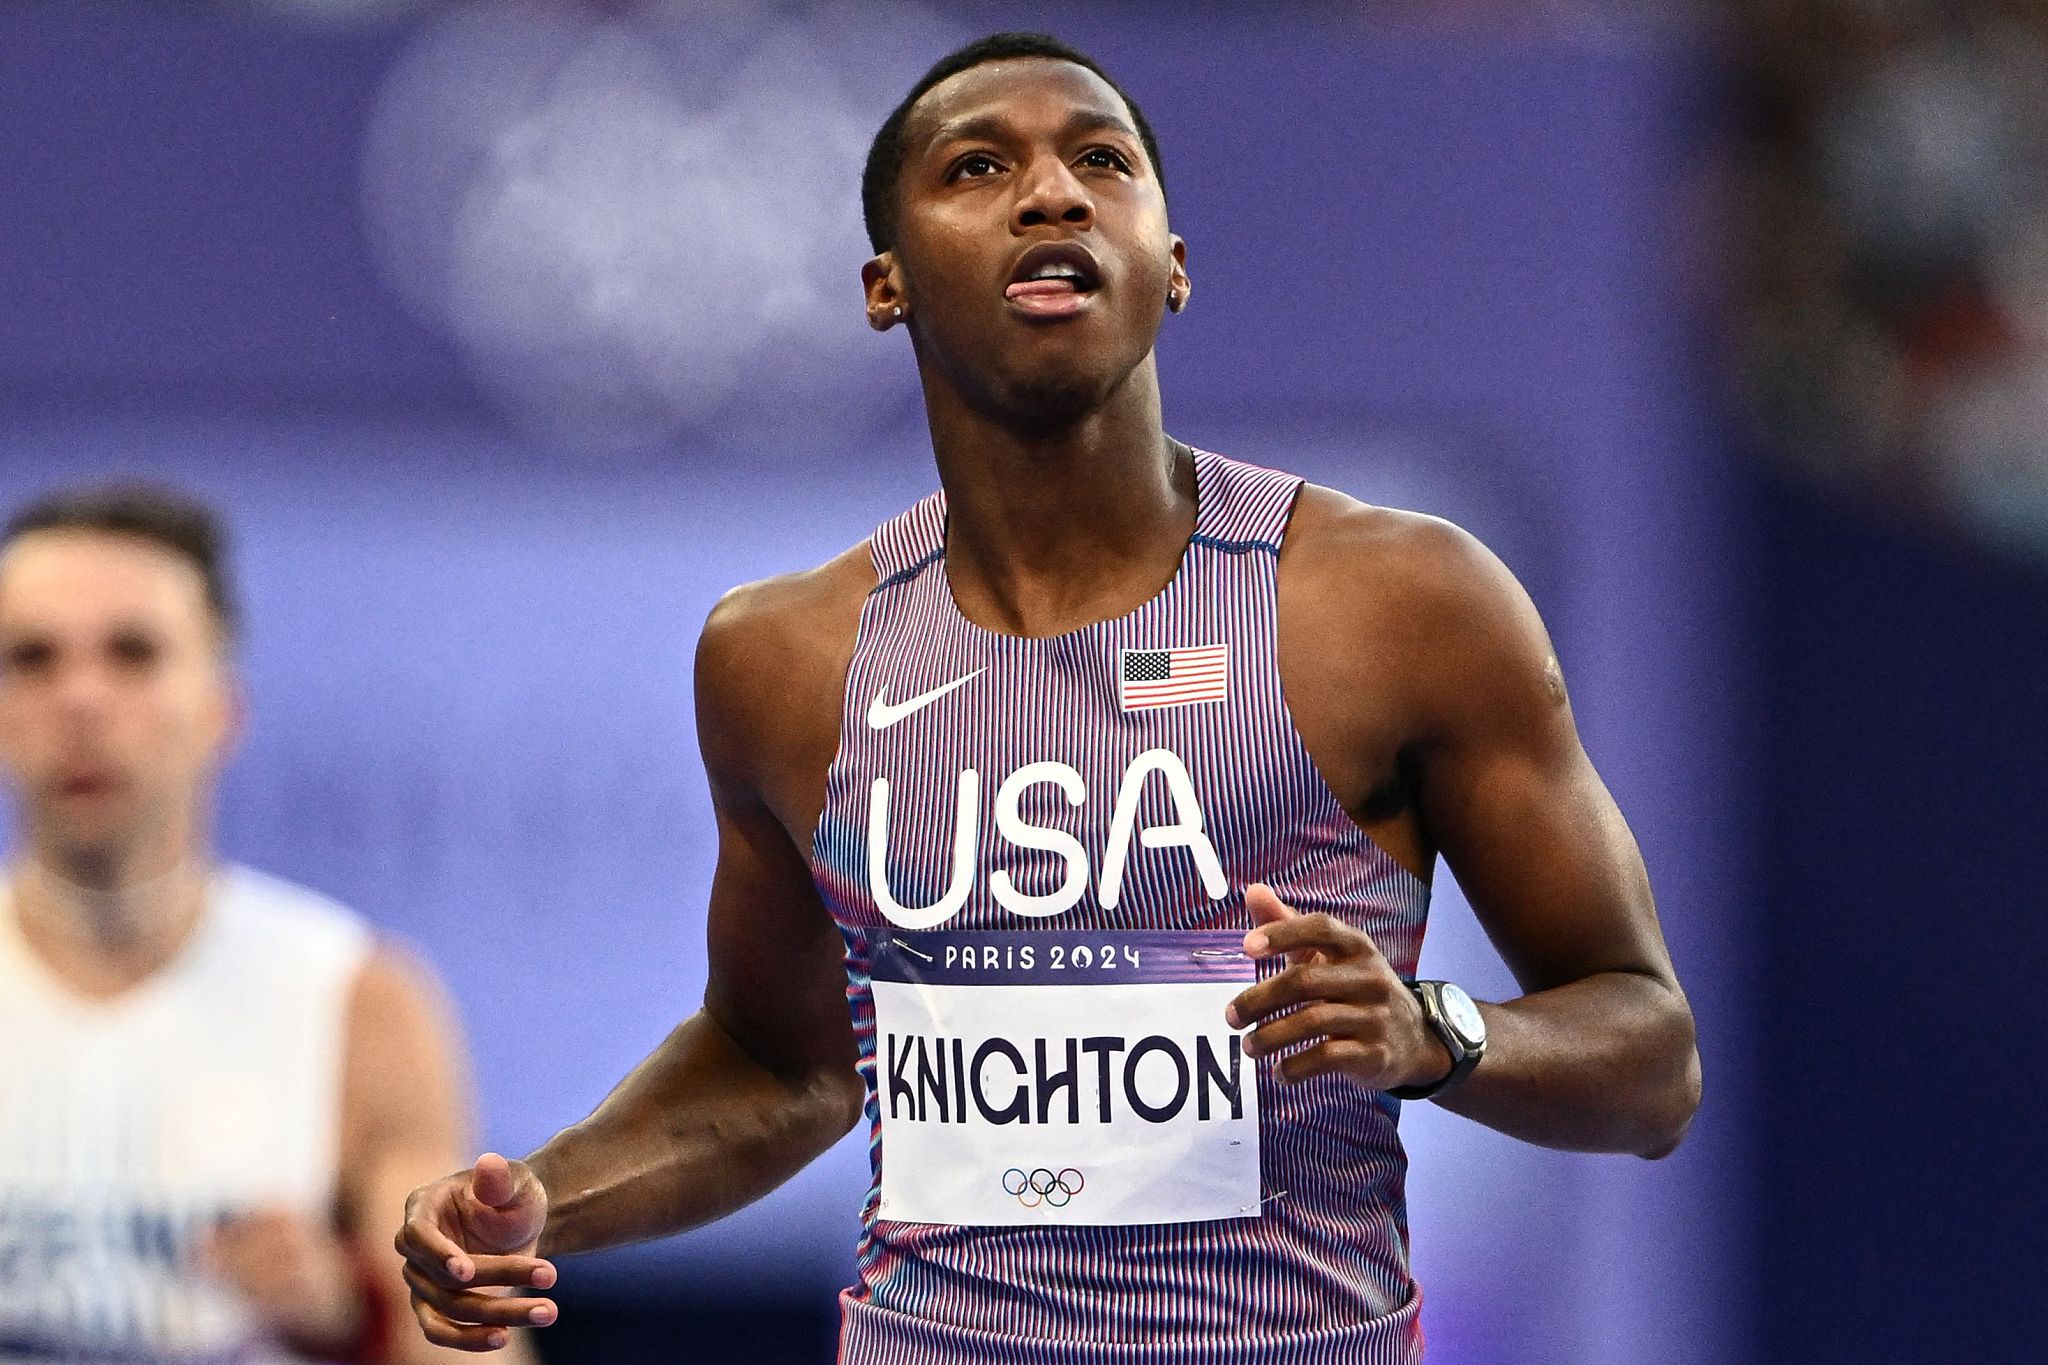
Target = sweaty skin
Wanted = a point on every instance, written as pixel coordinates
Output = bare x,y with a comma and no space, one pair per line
1416,669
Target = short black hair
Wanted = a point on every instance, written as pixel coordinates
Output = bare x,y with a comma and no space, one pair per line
162,516
885,154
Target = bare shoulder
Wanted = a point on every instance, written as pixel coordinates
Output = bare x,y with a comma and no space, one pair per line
1419,597
1409,559
405,1072
788,610
396,988
399,1009
771,666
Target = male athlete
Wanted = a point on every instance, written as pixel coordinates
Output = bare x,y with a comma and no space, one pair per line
1104,787
215,1088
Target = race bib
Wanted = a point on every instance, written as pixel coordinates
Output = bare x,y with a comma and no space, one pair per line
1075,1078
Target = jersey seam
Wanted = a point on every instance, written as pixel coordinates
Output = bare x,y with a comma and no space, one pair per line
909,571
1234,547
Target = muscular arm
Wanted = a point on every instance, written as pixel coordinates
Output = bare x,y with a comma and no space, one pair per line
761,1080
1598,1054
747,1091
742,1094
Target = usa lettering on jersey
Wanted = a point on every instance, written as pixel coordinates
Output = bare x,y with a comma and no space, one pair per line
1186,832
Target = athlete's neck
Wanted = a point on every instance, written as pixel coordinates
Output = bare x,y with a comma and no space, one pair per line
1050,528
105,923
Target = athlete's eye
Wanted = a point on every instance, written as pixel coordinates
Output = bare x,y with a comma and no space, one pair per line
133,650
28,657
972,166
1108,158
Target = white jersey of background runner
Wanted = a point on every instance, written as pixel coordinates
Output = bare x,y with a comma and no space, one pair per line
129,1126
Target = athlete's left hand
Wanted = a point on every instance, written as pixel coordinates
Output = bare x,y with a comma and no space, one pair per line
1360,1018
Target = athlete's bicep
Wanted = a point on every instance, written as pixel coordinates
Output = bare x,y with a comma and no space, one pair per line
1508,794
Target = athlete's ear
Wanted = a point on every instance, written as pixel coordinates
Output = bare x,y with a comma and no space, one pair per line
1178,285
882,279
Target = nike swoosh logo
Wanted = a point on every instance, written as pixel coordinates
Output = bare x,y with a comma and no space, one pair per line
881,715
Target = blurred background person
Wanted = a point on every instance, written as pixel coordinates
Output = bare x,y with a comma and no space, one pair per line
215,1087
1890,357
1895,338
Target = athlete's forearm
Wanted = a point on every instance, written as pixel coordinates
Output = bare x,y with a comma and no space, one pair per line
695,1132
1607,1064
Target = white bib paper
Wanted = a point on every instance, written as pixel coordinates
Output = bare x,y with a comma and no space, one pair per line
1081,1078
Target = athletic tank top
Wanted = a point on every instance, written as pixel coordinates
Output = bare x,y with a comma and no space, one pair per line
1014,831
128,1127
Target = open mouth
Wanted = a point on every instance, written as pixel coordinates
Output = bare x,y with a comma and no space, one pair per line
1054,279
86,785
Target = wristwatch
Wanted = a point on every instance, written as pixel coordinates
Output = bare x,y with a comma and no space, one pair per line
1453,1017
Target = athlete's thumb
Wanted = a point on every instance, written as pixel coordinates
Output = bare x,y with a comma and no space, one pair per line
1265,904
492,1182
506,1206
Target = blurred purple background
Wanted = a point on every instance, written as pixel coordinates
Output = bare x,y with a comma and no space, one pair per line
510,335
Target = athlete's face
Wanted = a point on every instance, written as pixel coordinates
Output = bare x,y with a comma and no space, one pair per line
115,696
1032,256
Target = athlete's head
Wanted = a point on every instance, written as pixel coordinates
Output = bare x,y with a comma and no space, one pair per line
117,697
1019,221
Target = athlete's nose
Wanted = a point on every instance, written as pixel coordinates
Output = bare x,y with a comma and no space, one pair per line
1051,193
82,689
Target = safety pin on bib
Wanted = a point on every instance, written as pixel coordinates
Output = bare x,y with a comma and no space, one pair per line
903,947
1268,1199
1221,954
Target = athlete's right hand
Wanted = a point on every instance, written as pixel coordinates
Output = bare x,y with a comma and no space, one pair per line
469,1241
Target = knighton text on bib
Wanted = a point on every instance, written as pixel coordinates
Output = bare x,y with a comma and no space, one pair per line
1079,1077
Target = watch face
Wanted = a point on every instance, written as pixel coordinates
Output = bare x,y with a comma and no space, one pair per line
1461,1013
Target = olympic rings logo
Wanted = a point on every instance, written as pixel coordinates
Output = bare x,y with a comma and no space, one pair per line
1055,1189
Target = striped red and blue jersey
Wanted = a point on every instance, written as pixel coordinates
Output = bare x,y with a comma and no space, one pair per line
1319,1273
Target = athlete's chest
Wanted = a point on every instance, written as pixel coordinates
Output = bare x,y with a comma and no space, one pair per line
1134,776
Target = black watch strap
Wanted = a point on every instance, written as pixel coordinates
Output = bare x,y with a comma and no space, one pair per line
1465,1053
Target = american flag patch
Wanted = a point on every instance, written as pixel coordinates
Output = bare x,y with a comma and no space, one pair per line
1151,678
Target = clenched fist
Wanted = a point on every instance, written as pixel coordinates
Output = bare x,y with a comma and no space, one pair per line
469,1241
